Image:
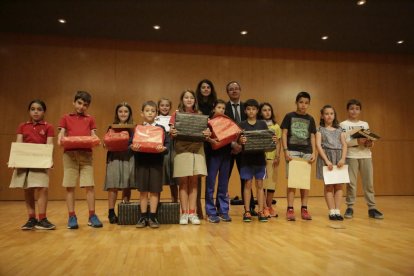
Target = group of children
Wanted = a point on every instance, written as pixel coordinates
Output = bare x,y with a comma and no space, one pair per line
182,163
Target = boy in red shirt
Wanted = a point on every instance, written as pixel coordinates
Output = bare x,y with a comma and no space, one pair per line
77,163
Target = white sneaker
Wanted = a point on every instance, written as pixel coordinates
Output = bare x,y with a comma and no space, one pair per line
193,218
184,219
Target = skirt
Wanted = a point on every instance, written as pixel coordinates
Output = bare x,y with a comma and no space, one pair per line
334,155
189,164
120,169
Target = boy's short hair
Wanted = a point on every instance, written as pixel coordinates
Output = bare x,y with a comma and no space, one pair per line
353,102
303,94
251,102
150,103
83,95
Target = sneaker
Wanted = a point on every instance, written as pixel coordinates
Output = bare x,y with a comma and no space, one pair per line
305,214
113,219
349,213
332,217
266,212
374,213
253,212
30,224
339,217
184,219
247,217
213,219
273,212
95,222
290,215
262,217
153,223
73,222
44,224
225,217
142,222
193,218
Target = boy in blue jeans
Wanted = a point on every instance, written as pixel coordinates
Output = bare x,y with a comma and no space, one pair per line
298,140
253,165
77,163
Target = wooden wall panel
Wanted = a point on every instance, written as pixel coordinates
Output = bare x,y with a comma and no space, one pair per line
53,68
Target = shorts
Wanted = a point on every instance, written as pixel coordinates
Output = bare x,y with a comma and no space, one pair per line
297,154
248,172
189,164
77,165
148,178
269,183
30,178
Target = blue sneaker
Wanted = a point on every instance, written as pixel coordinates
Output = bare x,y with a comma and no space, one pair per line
225,217
95,222
213,219
73,223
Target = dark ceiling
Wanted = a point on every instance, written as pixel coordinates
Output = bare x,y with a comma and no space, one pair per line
373,27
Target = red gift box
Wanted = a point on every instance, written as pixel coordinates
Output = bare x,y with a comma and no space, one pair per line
148,138
116,140
79,142
224,130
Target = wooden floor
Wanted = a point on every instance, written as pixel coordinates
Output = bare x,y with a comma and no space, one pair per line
363,247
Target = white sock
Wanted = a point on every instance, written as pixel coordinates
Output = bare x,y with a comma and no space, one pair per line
332,212
337,211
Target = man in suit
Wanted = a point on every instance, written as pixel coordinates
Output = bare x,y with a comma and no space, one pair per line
235,110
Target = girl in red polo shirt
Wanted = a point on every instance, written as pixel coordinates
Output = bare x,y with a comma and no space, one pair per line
34,131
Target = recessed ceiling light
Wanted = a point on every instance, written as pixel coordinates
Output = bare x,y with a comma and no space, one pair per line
361,2
156,27
400,41
243,32
325,37
61,20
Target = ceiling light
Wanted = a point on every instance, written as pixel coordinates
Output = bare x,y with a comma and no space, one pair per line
156,27
62,21
243,32
400,41
325,37
361,2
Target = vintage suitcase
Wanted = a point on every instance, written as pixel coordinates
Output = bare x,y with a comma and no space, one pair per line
224,129
259,140
79,142
190,126
167,213
116,140
148,138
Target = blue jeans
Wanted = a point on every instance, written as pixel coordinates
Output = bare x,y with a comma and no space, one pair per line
217,164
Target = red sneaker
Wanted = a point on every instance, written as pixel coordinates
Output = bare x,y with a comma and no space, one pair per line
305,214
290,215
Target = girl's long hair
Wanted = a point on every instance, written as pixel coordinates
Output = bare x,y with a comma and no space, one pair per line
335,122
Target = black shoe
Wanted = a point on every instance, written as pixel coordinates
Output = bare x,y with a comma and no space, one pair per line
374,213
332,217
253,212
349,213
339,217
142,222
44,224
113,219
153,223
30,224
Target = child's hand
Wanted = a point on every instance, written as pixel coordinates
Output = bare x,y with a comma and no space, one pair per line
160,148
274,139
341,163
212,141
330,165
135,147
276,161
288,158
362,141
173,131
207,133
235,148
243,140
312,159
369,143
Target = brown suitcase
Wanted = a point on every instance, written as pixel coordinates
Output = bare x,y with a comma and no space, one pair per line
190,126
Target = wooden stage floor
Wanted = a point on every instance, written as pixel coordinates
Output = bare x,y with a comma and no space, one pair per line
363,247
